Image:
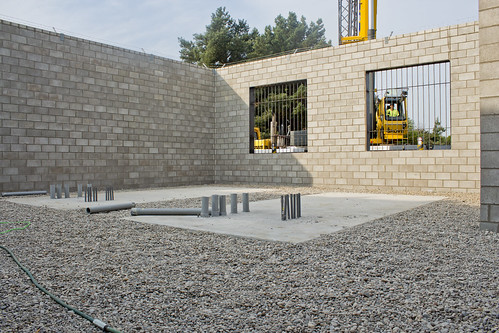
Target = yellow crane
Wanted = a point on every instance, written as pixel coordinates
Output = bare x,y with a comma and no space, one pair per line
350,29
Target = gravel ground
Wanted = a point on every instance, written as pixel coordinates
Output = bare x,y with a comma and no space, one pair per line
429,269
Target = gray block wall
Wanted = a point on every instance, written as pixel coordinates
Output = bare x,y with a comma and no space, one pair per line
489,112
74,111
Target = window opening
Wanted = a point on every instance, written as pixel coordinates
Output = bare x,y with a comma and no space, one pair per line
278,118
409,108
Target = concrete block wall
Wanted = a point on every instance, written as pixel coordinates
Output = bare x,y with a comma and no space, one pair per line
336,79
75,111
489,110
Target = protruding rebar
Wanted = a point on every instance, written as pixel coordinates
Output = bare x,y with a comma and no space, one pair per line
88,193
283,210
298,205
290,206
109,193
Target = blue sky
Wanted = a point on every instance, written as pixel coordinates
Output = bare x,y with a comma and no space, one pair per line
155,25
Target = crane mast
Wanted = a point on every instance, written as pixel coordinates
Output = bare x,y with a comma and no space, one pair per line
356,20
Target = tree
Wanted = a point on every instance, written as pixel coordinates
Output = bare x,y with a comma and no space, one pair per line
290,34
225,40
430,139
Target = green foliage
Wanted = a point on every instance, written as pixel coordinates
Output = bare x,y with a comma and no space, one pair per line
227,40
430,139
290,34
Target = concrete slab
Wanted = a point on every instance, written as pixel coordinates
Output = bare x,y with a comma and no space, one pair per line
136,196
321,214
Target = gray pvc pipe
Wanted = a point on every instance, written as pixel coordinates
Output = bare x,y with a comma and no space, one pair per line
108,208
205,209
233,203
52,191
11,194
223,206
165,211
246,202
215,211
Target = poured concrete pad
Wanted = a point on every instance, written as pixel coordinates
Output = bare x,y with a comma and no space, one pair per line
321,214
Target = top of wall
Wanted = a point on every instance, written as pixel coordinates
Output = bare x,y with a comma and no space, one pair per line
28,31
453,30
448,31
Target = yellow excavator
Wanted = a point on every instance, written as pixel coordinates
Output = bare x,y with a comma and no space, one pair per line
391,118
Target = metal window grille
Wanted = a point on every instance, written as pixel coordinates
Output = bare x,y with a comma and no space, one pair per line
409,108
278,118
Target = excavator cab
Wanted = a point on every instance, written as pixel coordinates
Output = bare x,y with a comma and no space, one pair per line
395,108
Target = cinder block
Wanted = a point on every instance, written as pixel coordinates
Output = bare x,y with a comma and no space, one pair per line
490,123
489,142
489,226
490,177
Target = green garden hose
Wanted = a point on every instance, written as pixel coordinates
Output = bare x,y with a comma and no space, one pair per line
94,321
27,223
